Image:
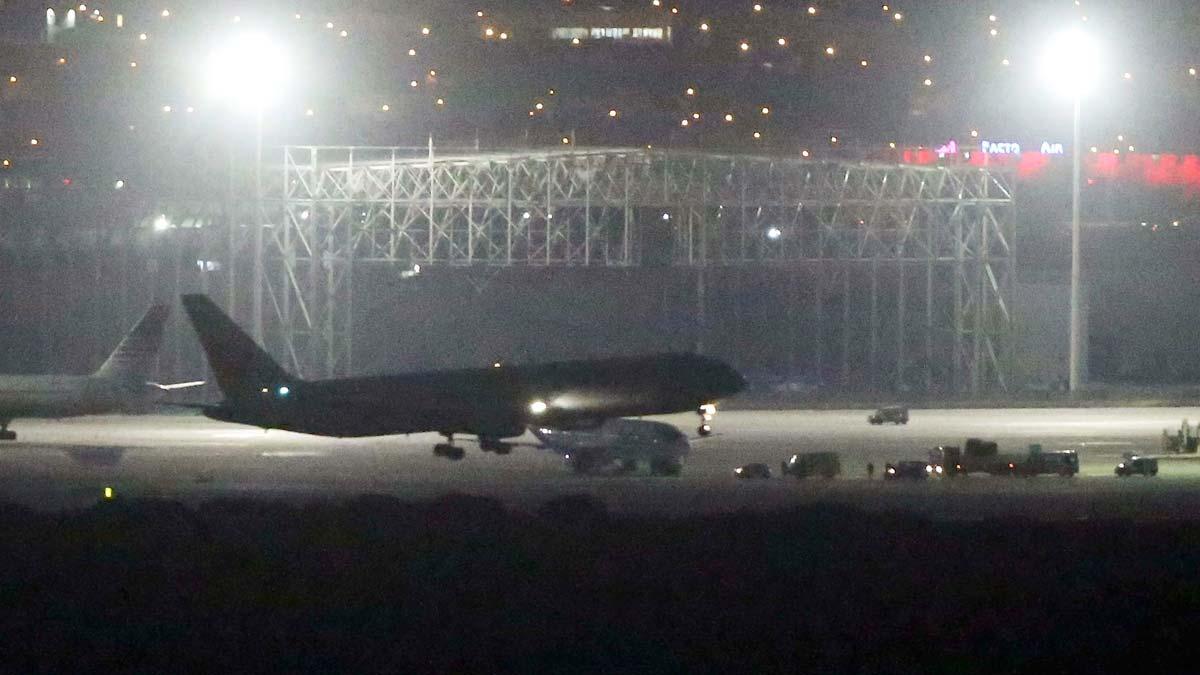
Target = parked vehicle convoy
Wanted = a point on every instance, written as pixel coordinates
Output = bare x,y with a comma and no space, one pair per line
752,471
894,414
979,456
824,464
910,470
1143,466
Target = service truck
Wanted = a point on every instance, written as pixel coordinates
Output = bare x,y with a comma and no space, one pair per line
803,465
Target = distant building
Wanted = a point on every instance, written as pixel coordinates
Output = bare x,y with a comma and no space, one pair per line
641,24
629,34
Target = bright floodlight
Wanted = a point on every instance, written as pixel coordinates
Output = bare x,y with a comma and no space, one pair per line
1071,63
249,70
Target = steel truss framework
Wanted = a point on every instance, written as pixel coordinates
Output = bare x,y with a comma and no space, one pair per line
929,250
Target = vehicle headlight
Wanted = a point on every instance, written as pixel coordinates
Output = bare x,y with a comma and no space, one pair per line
928,469
938,469
738,470
891,470
538,407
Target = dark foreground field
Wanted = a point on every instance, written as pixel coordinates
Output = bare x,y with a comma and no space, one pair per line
460,584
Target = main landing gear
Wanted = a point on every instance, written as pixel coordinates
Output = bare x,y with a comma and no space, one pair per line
495,445
706,413
5,434
449,450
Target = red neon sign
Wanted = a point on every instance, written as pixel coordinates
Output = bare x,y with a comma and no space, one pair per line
1167,170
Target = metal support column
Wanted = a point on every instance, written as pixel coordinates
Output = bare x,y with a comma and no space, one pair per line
959,325
901,320
701,311
929,321
256,283
873,357
819,322
845,325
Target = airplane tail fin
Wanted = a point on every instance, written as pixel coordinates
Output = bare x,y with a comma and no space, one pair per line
241,366
133,359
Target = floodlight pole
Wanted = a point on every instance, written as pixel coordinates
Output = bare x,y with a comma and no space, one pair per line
1076,353
259,217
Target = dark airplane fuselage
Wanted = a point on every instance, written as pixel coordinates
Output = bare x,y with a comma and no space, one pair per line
487,402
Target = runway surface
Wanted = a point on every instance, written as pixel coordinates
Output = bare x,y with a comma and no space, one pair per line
68,463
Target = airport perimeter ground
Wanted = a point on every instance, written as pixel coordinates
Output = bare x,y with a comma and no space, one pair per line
63,464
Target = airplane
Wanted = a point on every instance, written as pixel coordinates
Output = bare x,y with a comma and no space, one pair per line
121,385
492,404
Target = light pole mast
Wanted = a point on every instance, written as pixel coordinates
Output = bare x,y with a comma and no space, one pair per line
1071,64
249,70
259,217
1076,354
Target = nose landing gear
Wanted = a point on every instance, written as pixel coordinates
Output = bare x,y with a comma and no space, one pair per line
495,445
706,413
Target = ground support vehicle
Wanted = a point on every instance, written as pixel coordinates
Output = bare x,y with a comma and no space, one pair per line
752,471
1143,466
1061,462
619,445
979,456
803,465
895,414
909,470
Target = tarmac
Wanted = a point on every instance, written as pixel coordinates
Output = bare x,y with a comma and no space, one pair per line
68,464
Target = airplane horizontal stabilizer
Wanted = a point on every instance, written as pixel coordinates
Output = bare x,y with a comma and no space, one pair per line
176,385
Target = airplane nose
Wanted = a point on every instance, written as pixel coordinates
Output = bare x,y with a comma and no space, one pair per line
728,381
735,383
719,379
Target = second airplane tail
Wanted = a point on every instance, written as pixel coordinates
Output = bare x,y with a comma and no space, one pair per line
132,362
242,368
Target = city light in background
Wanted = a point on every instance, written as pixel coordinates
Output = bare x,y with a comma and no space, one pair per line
416,64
